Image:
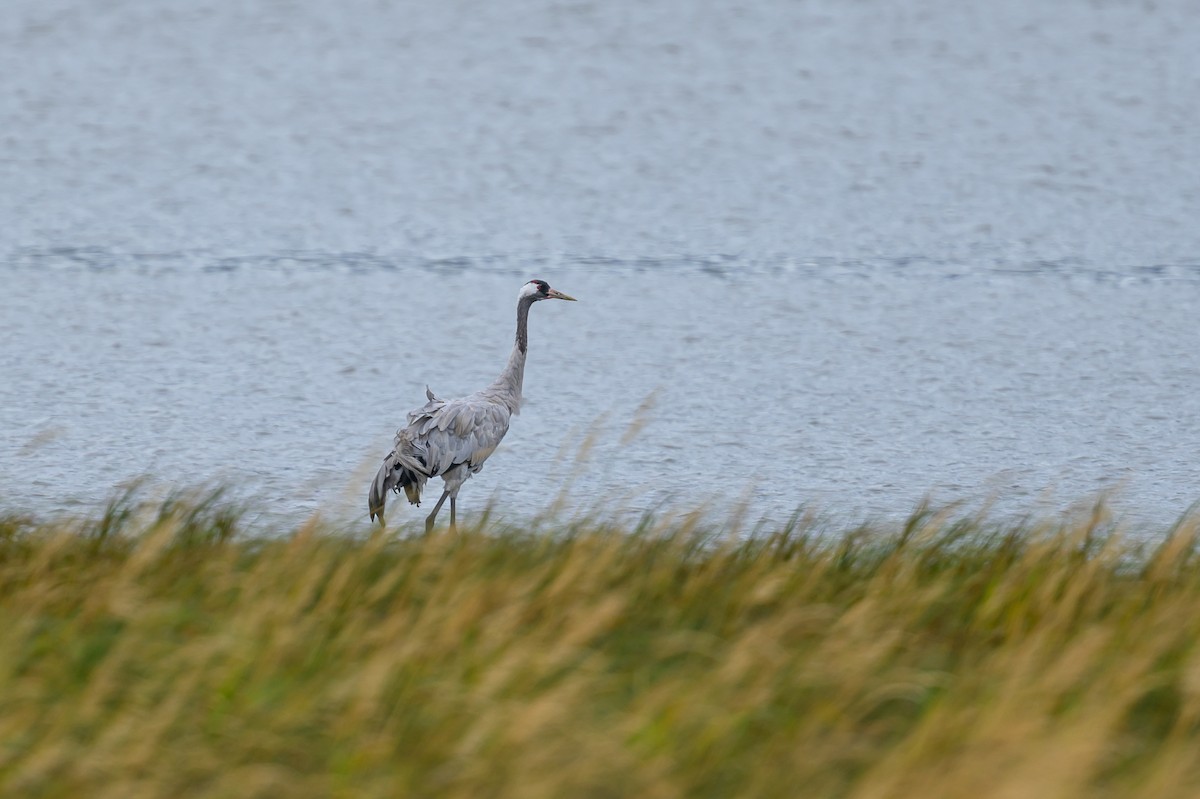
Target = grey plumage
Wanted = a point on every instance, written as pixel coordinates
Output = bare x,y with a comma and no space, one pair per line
451,439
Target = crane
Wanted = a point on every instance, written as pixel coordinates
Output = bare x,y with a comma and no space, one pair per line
452,438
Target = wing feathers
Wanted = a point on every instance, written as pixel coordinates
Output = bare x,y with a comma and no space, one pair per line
440,435
465,430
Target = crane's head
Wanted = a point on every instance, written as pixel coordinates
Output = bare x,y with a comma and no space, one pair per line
540,290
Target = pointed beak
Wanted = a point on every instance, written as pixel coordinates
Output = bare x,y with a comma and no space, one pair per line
555,294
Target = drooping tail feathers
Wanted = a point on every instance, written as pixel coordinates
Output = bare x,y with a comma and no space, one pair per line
402,468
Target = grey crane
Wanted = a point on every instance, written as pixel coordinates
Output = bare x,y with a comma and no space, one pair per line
452,438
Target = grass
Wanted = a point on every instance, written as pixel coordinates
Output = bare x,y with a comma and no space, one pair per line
163,653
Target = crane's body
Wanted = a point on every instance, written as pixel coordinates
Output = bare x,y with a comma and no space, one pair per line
451,439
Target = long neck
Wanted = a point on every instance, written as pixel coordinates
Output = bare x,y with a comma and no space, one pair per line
508,383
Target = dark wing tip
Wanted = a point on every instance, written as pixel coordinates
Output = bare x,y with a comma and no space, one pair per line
377,494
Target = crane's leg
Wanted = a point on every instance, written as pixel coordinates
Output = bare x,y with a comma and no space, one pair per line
453,526
436,508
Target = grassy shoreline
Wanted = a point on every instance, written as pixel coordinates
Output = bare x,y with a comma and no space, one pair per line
153,654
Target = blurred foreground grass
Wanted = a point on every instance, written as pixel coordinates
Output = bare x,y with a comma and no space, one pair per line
163,654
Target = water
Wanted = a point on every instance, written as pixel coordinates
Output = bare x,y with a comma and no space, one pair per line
843,255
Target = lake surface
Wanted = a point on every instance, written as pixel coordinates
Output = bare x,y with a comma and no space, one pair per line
840,255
